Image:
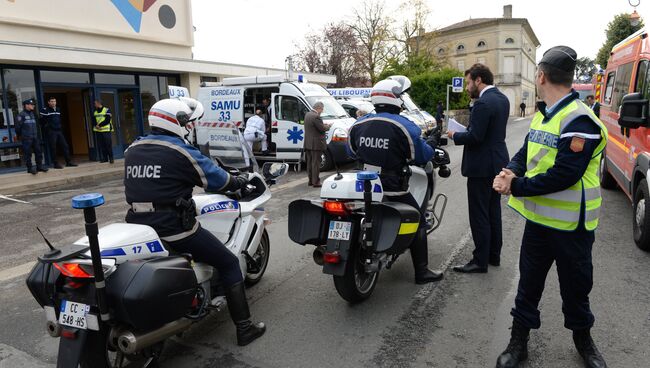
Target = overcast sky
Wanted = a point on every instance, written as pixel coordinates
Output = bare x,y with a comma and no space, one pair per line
264,33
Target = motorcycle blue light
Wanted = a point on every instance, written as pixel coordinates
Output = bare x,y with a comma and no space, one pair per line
87,200
367,175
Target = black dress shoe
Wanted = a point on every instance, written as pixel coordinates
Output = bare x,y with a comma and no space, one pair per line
31,170
41,169
470,268
71,164
427,276
495,262
57,166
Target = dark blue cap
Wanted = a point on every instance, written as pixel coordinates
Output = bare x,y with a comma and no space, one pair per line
29,101
367,175
87,200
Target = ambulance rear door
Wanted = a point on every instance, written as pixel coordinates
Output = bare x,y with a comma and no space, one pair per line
218,128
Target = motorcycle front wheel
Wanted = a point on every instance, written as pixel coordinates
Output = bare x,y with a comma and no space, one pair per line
356,285
261,259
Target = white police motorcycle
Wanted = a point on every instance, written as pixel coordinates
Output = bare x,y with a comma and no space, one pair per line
114,296
356,234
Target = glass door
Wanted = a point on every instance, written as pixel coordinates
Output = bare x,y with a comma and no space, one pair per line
124,107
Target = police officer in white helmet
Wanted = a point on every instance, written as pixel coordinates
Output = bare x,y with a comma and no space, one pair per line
161,170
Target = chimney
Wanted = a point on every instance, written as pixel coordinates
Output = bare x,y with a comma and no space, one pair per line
507,11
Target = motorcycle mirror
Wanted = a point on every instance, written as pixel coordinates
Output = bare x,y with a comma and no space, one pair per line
272,170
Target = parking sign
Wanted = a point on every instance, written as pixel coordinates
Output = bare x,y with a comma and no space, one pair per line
457,84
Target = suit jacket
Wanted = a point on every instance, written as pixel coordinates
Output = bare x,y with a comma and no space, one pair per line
596,109
314,132
485,152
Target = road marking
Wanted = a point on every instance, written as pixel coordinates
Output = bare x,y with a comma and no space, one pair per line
520,119
291,184
17,271
12,199
52,192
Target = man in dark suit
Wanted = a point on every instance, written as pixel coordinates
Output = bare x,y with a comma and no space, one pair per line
315,143
595,105
484,155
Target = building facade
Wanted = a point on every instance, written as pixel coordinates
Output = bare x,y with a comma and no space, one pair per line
506,45
124,52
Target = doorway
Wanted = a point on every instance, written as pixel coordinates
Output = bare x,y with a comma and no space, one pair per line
122,103
75,114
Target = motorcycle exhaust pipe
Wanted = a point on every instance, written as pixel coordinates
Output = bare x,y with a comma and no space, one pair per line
130,343
318,255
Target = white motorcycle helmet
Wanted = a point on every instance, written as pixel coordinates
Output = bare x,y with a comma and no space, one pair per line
175,115
389,91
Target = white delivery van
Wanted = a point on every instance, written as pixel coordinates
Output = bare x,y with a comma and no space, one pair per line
230,103
346,96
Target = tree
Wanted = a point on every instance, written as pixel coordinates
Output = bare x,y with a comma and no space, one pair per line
430,87
585,70
333,50
407,34
412,66
371,27
617,30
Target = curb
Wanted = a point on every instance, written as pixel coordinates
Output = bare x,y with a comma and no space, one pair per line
18,188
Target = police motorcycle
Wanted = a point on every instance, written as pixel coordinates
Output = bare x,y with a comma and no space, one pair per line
355,233
114,296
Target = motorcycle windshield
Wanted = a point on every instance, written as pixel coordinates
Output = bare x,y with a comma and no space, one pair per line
228,147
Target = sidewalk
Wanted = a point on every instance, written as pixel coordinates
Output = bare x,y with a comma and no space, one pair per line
22,182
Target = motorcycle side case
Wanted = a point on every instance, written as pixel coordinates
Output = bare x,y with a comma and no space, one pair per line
41,282
394,226
149,293
308,223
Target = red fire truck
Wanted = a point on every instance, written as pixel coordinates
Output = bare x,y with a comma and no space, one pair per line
624,110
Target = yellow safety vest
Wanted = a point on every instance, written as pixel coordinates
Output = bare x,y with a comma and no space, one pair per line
99,118
561,210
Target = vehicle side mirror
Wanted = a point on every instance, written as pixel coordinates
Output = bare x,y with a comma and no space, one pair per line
274,170
634,111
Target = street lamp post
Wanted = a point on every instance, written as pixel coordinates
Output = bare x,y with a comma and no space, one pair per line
635,18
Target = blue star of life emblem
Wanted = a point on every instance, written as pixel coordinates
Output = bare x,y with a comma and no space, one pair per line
295,135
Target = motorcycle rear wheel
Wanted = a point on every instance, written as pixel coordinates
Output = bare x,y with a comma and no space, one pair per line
356,285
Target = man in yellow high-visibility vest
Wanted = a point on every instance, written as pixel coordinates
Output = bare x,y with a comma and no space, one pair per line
554,184
103,131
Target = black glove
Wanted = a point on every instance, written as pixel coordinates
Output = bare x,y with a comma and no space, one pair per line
237,182
432,141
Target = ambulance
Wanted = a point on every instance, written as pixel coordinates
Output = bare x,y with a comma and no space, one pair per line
347,96
230,103
624,95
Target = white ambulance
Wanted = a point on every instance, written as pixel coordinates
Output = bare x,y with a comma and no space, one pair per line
229,104
346,96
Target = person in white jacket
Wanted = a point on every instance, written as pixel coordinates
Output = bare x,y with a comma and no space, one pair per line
255,131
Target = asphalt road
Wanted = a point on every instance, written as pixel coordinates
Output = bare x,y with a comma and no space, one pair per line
462,321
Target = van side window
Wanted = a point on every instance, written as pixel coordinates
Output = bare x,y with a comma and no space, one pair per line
642,78
622,84
609,88
290,109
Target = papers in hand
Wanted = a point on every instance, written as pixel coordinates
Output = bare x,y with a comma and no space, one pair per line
455,126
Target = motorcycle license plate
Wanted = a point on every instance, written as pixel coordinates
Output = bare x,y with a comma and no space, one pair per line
73,314
340,230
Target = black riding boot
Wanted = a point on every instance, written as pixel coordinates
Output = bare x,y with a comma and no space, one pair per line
517,350
420,258
247,331
588,350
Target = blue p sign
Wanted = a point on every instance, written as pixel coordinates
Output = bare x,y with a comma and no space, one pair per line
457,84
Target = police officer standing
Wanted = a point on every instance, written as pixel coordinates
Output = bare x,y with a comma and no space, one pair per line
27,129
161,170
391,142
51,123
554,184
103,131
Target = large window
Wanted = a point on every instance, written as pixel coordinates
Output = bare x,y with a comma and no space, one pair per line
609,88
19,86
49,76
104,78
641,84
621,84
289,108
149,94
